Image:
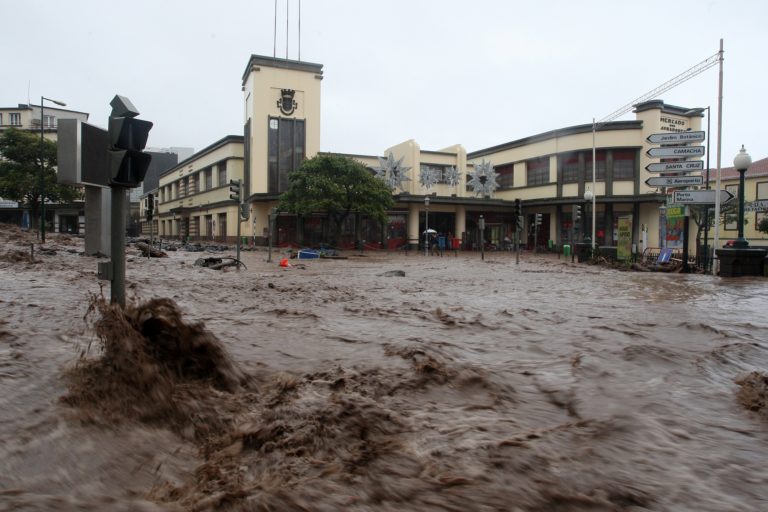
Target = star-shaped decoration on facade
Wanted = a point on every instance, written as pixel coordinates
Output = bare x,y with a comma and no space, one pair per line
429,176
483,179
452,176
392,172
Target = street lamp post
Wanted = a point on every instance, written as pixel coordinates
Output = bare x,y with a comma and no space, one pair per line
741,163
42,166
426,225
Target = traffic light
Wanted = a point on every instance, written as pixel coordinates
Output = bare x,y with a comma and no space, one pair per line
538,219
245,212
150,206
127,139
518,208
576,215
234,190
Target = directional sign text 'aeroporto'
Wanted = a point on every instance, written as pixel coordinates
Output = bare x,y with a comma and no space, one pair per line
674,181
676,151
675,137
696,165
700,196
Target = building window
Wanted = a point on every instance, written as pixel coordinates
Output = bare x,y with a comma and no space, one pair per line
208,178
15,119
286,149
731,218
624,165
1,119
537,171
194,183
599,168
761,194
570,166
49,121
506,176
222,168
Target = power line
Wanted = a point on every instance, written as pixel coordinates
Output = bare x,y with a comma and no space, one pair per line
669,84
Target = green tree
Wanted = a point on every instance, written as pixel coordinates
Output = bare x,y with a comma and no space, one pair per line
338,186
729,212
20,160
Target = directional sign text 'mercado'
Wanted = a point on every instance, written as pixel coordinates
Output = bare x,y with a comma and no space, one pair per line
675,137
696,165
676,151
674,181
700,196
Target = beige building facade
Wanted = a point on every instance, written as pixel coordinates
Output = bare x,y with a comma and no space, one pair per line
444,189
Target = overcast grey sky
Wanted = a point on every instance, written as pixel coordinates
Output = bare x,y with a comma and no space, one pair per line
477,73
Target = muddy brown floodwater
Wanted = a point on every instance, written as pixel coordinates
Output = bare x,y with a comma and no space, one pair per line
340,385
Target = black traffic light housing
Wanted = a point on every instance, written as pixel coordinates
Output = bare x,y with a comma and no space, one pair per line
576,215
538,219
127,139
518,208
234,190
245,212
150,206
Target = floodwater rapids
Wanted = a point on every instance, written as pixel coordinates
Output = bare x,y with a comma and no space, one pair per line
342,384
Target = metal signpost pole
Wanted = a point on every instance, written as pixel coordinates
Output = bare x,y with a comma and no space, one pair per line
481,225
716,241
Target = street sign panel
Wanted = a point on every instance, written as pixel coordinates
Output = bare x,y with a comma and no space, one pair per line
700,196
676,151
676,137
674,181
696,165
756,206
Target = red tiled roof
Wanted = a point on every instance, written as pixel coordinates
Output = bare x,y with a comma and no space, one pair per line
757,169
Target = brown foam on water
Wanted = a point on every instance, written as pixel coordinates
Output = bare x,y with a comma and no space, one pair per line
155,368
334,439
753,392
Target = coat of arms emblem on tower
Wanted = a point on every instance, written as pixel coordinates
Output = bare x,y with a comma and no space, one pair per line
286,103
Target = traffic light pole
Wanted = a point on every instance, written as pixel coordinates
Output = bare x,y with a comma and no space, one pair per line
239,221
118,246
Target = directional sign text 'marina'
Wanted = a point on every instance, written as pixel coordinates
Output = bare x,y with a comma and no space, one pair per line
676,151
700,196
675,137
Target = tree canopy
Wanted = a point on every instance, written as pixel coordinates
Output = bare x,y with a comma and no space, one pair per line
21,152
338,186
